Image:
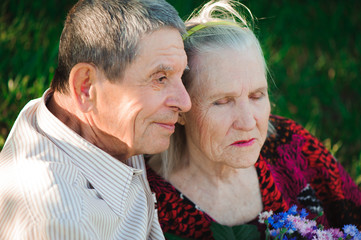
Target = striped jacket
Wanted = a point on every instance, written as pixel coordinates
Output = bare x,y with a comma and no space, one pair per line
56,185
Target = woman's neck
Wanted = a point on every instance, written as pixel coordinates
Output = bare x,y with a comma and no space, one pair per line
212,171
230,196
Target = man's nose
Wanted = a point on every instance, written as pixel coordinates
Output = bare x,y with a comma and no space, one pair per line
179,99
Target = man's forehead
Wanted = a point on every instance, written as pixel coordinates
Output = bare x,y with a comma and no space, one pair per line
163,39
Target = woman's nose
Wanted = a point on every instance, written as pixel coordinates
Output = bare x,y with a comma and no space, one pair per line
245,119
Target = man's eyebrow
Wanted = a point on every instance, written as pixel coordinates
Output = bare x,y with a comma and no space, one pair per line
162,68
165,68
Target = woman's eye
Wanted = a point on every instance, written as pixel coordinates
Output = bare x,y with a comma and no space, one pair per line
257,96
221,101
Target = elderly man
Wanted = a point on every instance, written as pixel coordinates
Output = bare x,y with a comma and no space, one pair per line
71,167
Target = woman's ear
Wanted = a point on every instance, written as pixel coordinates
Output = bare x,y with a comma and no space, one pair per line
181,119
82,79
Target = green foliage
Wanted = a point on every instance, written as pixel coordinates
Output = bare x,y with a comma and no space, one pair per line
29,33
312,48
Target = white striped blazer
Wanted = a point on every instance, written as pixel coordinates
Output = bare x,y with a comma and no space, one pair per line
56,185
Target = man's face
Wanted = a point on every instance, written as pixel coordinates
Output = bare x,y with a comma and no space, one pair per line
141,109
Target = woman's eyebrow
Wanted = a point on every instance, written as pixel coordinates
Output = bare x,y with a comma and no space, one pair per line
260,89
222,94
233,93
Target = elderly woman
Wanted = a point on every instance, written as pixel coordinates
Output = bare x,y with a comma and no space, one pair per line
229,159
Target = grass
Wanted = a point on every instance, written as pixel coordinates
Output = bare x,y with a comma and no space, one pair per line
313,50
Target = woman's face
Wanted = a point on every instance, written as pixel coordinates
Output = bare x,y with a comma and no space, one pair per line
228,120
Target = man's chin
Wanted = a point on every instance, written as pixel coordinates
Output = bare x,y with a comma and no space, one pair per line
157,148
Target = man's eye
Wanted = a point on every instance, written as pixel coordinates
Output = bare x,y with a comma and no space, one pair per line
162,79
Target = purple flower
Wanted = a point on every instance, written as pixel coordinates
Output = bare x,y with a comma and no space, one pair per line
303,225
335,232
274,232
322,235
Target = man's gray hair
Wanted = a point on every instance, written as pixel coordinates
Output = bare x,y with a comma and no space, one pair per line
107,33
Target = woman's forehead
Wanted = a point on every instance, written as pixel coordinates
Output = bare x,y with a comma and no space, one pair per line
226,69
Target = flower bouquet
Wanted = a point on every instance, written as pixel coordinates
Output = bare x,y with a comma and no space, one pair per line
293,224
289,225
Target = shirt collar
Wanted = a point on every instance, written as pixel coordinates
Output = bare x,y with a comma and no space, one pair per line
110,177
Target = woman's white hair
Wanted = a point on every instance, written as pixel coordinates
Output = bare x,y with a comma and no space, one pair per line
233,31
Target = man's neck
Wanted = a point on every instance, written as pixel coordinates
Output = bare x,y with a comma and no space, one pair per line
63,107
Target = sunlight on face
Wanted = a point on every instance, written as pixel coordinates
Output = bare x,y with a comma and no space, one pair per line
228,120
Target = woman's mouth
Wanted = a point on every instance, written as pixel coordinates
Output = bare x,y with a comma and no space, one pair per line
244,143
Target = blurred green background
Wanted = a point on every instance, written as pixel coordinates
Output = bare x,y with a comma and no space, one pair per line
312,48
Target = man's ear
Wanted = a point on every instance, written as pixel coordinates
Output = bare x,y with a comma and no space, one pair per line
82,80
181,119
